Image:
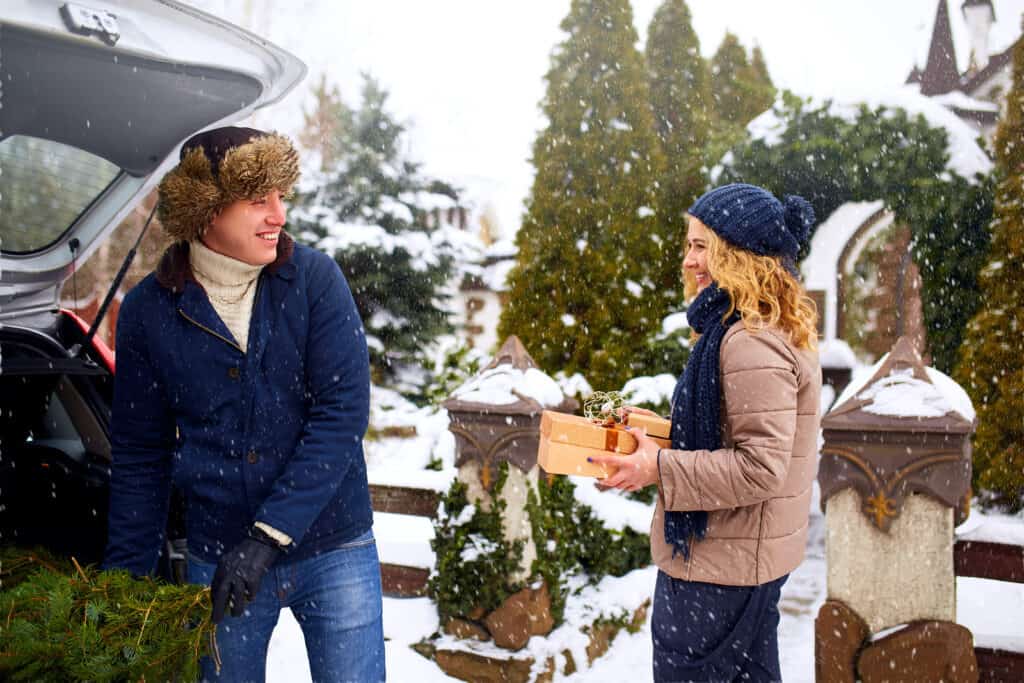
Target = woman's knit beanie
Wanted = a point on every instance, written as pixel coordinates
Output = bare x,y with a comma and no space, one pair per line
751,218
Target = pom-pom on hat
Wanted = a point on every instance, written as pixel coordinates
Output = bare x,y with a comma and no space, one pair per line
750,217
218,167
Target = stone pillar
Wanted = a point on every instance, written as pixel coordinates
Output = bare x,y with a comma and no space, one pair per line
495,418
895,475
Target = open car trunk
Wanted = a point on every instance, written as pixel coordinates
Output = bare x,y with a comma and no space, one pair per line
54,443
97,97
55,447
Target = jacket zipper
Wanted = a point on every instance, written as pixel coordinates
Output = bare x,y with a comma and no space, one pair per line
207,329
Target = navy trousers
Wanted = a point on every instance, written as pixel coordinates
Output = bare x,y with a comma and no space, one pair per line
708,632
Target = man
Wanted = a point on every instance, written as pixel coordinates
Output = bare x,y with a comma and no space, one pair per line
243,380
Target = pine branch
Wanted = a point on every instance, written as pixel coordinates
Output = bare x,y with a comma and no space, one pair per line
65,622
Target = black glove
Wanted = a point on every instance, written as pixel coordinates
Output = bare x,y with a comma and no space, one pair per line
239,572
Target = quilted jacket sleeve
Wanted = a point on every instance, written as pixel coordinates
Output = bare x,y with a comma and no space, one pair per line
759,410
142,444
338,381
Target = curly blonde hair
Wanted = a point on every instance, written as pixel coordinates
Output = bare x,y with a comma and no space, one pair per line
762,290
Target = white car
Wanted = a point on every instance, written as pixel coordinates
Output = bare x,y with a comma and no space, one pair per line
95,101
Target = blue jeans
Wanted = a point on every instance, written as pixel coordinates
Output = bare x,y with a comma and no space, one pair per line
336,598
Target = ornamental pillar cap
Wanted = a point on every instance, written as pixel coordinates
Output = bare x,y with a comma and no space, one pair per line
905,429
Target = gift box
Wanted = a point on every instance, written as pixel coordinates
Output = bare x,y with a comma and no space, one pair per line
566,441
658,428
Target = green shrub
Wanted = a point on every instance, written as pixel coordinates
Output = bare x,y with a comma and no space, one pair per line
474,562
572,540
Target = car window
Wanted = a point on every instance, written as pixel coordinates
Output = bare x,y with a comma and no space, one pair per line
44,187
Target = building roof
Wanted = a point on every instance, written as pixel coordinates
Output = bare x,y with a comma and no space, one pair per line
995,64
941,76
940,73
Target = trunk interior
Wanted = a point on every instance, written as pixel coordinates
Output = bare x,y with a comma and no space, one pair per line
54,443
55,447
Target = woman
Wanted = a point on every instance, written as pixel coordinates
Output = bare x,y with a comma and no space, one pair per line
734,490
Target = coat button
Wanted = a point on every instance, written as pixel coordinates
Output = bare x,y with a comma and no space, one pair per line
233,373
253,457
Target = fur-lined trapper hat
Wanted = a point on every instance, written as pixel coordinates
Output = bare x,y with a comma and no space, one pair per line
218,167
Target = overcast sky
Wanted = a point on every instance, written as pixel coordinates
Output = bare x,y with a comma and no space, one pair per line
466,76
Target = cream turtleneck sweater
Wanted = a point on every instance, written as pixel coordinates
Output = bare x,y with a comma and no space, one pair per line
230,285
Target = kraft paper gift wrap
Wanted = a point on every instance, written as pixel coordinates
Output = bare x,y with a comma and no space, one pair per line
566,441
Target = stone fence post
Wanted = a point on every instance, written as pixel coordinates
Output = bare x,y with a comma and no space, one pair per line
895,478
495,422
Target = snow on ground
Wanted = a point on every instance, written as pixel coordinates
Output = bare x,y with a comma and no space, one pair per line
613,597
409,620
990,609
406,621
401,460
614,508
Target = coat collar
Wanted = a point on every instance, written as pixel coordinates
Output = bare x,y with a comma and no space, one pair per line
175,267
175,273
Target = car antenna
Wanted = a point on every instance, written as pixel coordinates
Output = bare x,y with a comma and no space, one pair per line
77,348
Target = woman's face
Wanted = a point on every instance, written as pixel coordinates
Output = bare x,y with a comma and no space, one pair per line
695,262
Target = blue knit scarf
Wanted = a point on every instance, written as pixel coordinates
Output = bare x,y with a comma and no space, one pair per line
696,401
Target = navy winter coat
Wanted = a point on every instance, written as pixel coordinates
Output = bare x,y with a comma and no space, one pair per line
271,435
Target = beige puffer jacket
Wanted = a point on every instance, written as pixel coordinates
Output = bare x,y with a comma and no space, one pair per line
757,487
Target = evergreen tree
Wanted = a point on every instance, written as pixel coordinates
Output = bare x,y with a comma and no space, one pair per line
728,66
741,89
377,214
760,76
583,295
680,99
66,622
991,365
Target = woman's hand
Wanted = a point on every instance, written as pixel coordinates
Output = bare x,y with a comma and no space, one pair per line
635,471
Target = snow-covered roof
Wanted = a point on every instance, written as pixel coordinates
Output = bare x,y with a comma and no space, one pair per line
963,101
966,158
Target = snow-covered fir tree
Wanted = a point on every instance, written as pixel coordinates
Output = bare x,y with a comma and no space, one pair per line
382,220
583,295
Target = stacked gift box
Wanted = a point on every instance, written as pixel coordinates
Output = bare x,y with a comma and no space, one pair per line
566,441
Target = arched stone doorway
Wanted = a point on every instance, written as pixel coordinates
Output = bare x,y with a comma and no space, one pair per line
862,275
